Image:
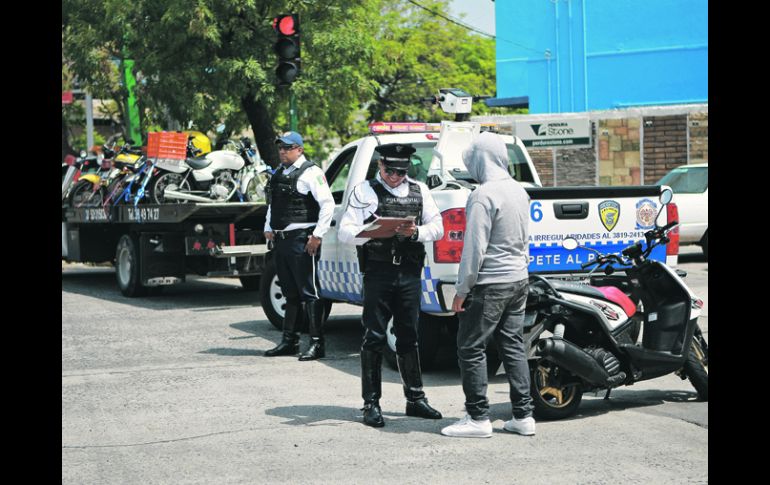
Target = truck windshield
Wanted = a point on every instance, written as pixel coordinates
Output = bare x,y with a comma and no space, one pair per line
687,180
517,167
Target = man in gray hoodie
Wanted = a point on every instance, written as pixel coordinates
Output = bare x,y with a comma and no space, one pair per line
492,289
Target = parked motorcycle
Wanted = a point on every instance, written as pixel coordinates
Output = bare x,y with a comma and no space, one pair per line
77,166
617,330
92,189
219,176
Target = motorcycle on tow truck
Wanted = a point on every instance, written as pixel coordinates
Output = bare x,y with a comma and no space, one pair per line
615,331
219,176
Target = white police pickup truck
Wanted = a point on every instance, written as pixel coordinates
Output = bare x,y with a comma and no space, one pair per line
609,218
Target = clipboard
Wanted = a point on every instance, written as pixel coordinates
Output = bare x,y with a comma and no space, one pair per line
384,227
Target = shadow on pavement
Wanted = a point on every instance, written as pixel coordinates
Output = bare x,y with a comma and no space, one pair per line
395,420
99,282
619,400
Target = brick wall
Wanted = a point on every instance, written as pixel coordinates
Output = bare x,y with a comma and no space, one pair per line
543,160
665,145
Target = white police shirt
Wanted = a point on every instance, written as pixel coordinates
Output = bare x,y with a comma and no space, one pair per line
363,203
312,180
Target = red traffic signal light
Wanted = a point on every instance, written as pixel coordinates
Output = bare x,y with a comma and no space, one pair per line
286,24
287,47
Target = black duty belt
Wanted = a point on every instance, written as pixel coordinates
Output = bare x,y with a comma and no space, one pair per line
292,233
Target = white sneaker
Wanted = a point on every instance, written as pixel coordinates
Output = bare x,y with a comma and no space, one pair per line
469,428
524,426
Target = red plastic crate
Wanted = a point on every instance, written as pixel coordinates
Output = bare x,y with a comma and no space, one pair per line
170,145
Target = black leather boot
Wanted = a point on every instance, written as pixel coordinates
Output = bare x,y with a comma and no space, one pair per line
314,311
371,387
290,341
316,350
373,415
411,375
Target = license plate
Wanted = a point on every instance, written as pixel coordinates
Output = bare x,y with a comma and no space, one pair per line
163,280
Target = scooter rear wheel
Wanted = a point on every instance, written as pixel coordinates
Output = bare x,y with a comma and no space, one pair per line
555,394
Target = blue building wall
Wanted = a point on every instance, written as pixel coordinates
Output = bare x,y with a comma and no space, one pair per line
583,55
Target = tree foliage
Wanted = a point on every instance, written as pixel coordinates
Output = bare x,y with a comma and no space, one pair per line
418,53
204,62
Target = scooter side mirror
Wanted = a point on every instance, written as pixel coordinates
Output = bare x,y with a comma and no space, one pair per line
666,195
570,244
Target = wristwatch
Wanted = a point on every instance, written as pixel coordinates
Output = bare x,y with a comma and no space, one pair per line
415,235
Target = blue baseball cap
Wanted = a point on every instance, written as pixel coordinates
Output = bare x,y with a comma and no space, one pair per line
290,138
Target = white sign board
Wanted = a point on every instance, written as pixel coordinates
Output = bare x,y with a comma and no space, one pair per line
563,132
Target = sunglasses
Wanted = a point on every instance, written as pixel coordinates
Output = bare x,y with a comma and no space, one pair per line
398,171
287,147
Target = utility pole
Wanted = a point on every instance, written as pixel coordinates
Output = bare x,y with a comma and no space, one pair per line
89,121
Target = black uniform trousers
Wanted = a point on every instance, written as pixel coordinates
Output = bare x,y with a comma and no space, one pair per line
294,266
391,291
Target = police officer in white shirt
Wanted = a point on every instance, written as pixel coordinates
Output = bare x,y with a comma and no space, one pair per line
392,267
299,214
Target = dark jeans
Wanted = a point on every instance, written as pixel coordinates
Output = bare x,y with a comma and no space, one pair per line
494,309
295,268
391,291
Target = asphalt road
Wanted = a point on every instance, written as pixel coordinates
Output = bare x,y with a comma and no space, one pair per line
174,389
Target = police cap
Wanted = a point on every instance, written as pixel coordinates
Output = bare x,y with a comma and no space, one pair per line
395,155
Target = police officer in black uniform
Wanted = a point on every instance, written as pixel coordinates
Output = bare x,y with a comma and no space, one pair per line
392,267
299,213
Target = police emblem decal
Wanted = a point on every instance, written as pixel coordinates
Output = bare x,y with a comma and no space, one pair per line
609,213
646,212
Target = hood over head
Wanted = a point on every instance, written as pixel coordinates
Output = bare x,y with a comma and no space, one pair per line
487,158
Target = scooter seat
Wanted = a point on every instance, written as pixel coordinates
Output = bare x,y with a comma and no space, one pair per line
577,289
619,298
608,293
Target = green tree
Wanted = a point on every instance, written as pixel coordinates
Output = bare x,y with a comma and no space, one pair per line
208,61
419,52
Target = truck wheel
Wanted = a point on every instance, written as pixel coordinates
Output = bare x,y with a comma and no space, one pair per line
704,244
429,332
127,267
250,283
274,302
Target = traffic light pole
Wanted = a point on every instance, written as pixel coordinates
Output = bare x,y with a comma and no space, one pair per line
293,122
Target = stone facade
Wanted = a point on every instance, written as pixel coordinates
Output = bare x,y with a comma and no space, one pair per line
698,124
576,166
619,157
634,146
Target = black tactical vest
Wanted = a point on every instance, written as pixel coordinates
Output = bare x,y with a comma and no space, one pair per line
400,248
287,205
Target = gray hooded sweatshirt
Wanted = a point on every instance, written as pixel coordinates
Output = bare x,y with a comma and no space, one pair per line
496,242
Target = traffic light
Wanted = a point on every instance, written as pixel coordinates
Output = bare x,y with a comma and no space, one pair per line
287,48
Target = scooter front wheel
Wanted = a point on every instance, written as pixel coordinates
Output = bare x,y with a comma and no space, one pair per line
555,392
696,367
